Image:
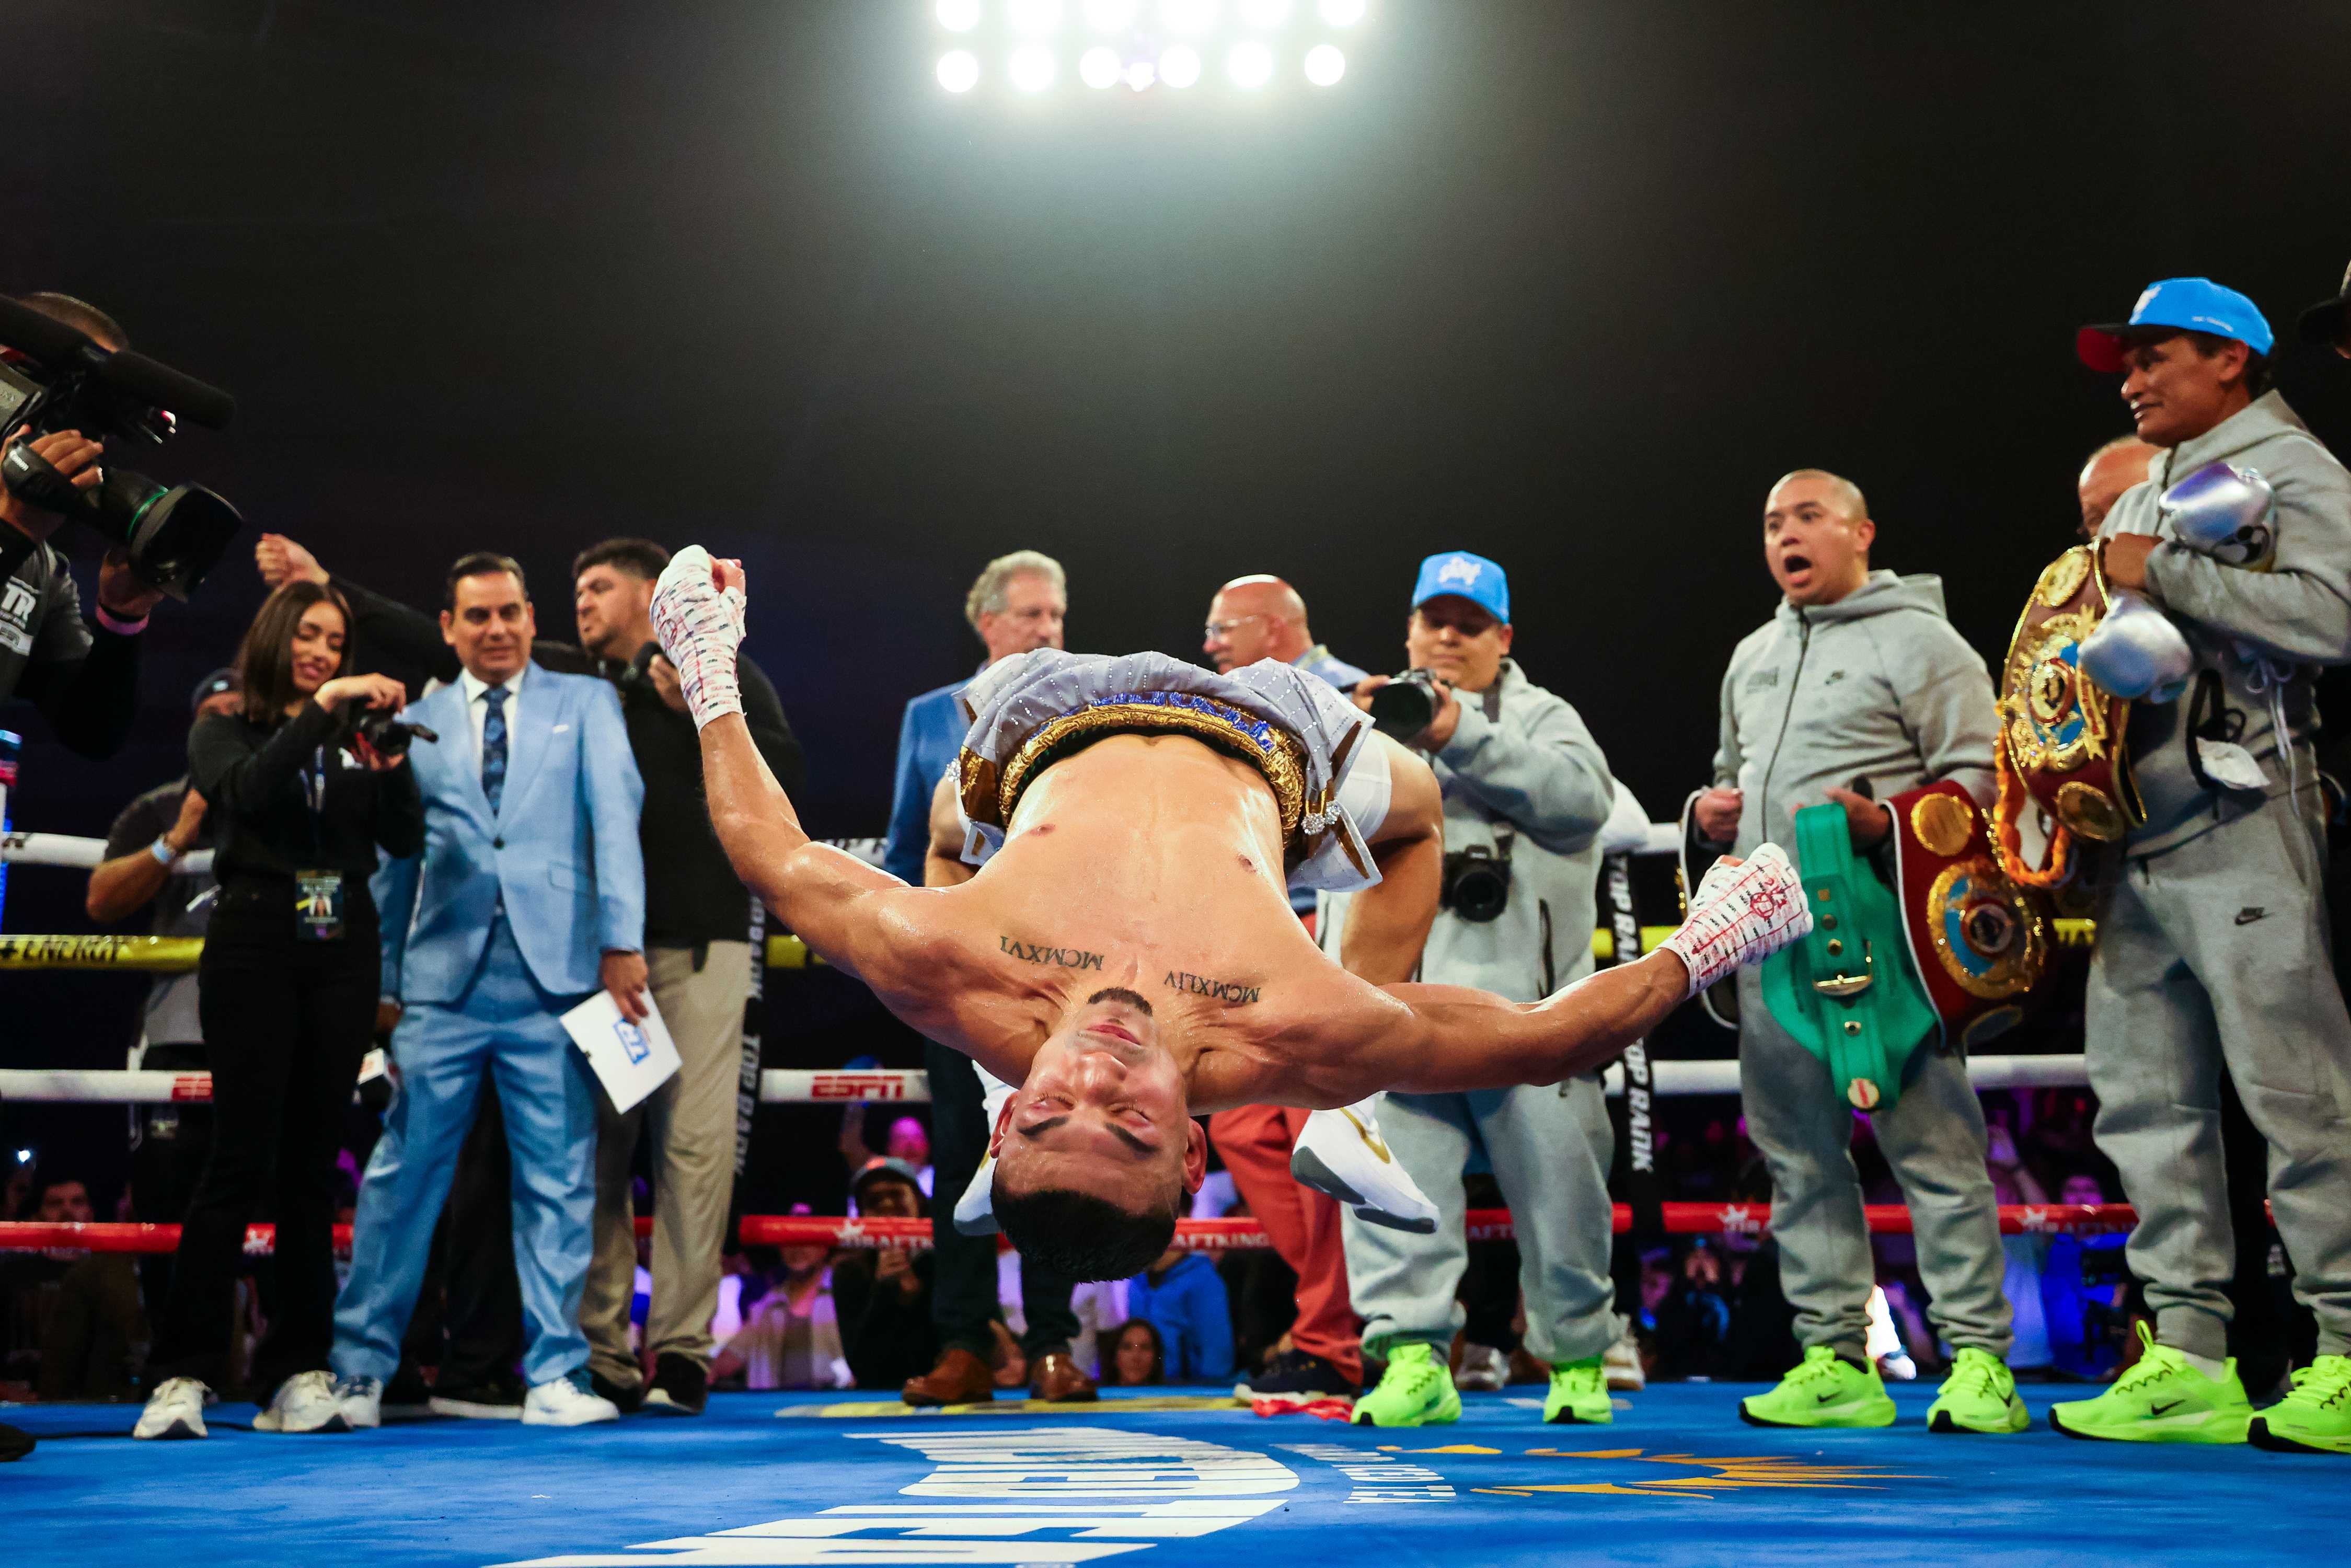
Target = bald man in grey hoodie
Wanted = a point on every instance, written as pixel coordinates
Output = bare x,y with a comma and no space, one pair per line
1859,675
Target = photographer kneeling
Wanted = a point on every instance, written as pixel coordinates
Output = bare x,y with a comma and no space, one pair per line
1526,794
301,797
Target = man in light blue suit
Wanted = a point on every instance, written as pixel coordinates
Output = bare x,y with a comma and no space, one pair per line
529,896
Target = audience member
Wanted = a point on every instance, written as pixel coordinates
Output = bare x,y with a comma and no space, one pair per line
71,1317
1138,1356
1184,1297
883,1299
287,993
790,1337
530,895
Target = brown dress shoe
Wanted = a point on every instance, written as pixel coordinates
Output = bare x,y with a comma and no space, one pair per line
1057,1377
959,1378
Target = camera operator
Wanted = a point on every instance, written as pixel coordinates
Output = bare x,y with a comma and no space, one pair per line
84,677
697,953
287,993
1526,794
146,865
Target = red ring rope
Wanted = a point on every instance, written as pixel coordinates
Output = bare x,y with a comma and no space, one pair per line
1191,1235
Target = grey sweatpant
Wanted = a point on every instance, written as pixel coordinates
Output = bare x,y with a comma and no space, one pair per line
2217,952
1549,1145
691,1121
1934,1139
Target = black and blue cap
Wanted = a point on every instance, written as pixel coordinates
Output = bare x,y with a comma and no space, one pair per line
2175,305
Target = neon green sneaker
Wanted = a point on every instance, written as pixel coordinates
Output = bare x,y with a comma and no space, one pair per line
1979,1395
1579,1394
2160,1400
2315,1418
1416,1390
1825,1390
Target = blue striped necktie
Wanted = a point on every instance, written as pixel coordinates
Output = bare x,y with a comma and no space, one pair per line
494,745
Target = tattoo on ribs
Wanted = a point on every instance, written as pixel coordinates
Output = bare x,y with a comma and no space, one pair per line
1060,958
1230,993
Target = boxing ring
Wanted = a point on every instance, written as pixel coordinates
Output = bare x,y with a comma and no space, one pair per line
1180,1476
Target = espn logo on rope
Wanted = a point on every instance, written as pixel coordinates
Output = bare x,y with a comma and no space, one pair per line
859,1086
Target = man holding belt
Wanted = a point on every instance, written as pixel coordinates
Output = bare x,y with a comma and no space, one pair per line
2212,943
1859,676
1526,792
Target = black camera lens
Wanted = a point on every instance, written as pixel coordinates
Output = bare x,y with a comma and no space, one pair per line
1481,891
173,537
1403,708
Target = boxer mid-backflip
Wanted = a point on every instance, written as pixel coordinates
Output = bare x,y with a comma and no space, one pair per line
1127,956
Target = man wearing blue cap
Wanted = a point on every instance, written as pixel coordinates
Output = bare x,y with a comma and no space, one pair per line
1525,793
2212,944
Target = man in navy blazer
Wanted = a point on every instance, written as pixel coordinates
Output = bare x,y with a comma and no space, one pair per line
529,896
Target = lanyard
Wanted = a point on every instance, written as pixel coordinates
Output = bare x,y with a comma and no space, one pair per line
314,796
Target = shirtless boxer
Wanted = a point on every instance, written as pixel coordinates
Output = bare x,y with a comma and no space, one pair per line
1126,954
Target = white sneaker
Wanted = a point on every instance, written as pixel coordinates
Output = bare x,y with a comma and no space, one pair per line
176,1409
567,1402
1340,1153
359,1402
1483,1369
305,1401
1622,1364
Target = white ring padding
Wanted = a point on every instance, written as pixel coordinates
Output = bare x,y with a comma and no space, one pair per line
804,1086
80,854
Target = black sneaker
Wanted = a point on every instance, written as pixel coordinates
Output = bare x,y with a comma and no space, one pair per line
680,1386
626,1397
1297,1378
407,1393
489,1401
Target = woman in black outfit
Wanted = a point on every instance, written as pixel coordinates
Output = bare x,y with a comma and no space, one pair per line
287,993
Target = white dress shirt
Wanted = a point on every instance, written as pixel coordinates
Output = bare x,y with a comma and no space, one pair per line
477,711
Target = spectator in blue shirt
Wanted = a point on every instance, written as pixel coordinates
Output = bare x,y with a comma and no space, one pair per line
1183,1296
1018,603
1262,617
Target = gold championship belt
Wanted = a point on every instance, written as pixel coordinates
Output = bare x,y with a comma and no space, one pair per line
1979,942
2061,741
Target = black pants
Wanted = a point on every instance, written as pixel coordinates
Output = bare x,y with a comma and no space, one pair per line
285,1023
169,1147
468,1318
962,1293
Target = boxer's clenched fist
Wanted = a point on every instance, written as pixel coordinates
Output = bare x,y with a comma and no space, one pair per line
697,614
1742,913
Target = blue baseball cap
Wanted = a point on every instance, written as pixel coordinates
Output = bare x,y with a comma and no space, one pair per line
2182,304
1472,577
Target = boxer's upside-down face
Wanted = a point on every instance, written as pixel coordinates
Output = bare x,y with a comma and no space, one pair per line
1096,1150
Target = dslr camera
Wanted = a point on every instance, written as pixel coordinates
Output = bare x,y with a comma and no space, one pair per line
62,380
1477,880
1405,705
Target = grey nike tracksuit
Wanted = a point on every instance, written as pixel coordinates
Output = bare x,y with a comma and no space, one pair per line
2213,942
1877,685
1522,764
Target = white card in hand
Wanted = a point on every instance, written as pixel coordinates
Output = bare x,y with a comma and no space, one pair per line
630,1060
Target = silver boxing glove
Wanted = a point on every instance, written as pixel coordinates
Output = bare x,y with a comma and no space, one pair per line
2137,653
2227,513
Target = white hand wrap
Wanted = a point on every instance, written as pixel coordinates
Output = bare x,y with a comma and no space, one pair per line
699,628
1740,914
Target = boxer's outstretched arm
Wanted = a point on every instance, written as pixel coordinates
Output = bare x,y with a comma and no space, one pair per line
834,901
1459,1038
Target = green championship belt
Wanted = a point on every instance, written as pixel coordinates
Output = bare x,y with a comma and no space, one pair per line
1847,991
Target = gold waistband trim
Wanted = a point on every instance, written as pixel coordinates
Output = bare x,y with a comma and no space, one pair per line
990,794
